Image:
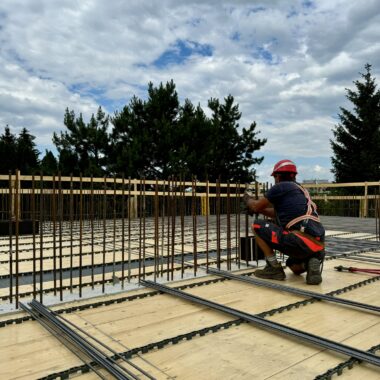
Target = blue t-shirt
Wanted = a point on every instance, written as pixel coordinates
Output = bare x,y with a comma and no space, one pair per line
290,202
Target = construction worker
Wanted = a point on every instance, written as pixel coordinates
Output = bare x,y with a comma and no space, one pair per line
297,231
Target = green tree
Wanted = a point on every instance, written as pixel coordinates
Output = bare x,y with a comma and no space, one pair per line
191,153
356,143
49,164
26,153
8,151
231,152
131,147
158,138
161,110
83,147
144,133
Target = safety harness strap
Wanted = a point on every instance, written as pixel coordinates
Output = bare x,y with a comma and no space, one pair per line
311,207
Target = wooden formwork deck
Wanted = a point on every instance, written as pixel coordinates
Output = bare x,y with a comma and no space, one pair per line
238,351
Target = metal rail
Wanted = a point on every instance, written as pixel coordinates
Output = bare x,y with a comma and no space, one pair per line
254,319
81,343
63,339
289,289
100,342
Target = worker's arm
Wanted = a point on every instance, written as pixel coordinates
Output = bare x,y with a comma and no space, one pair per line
259,206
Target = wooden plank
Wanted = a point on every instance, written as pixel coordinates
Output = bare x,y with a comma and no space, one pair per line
243,351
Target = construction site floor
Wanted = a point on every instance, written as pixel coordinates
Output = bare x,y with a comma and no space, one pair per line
171,338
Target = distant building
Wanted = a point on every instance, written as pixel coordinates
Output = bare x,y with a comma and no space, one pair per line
315,181
316,190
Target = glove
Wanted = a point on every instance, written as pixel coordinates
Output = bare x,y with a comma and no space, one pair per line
247,196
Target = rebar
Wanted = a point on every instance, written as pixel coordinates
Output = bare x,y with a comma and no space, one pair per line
53,211
10,216
71,231
104,232
41,237
129,228
122,231
17,217
92,232
33,216
80,234
60,235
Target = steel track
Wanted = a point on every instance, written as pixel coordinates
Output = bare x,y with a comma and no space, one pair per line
300,292
80,343
277,327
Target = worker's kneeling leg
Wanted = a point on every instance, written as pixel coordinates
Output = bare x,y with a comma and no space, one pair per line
297,266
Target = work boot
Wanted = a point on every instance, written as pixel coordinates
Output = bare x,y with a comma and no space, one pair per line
270,272
313,272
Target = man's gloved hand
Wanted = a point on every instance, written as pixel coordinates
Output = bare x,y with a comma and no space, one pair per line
247,197
248,194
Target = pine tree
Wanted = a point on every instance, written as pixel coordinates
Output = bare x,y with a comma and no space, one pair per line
49,164
232,153
82,147
8,151
160,138
357,137
26,153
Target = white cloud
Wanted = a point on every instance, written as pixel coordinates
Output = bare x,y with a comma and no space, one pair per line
286,63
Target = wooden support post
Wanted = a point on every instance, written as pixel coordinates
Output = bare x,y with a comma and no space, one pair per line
205,207
133,203
365,200
16,184
363,212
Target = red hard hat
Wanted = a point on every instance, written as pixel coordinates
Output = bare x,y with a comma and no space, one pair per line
285,166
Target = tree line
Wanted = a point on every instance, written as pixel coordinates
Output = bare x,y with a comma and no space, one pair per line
153,138
159,137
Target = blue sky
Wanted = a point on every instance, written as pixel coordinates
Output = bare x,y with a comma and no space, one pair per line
287,63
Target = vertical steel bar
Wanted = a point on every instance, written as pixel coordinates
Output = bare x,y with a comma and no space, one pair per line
33,209
10,238
92,233
163,228
156,237
104,233
129,227
140,228
71,231
17,219
53,212
60,235
228,227
41,235
122,230
377,213
207,221
256,217
80,233
218,222
183,200
144,226
114,231
194,213
168,231
238,241
246,236
174,202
